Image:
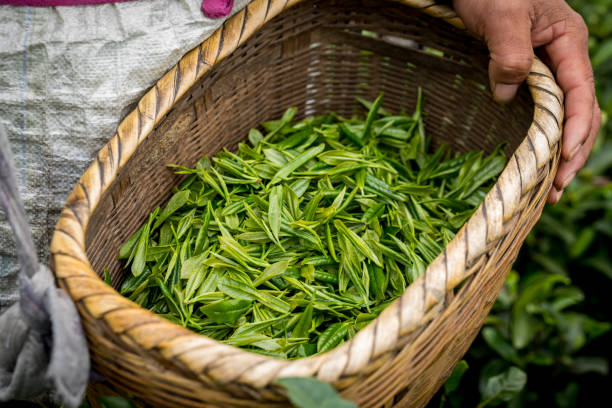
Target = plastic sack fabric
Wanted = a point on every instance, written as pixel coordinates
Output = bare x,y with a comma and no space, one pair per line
68,75
43,348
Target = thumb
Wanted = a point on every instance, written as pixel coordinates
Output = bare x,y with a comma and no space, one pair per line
508,36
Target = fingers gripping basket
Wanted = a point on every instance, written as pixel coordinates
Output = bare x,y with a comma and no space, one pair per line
313,55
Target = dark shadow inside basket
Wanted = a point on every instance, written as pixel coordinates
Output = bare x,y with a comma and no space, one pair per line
318,57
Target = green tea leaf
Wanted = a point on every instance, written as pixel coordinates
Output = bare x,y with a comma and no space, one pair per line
177,201
128,248
378,284
272,271
238,290
371,116
226,311
373,212
503,387
308,392
275,210
115,402
357,241
232,247
298,162
304,324
193,283
192,264
138,265
452,383
496,341
107,277
583,365
255,137
332,336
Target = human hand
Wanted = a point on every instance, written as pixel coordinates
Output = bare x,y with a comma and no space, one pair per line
512,29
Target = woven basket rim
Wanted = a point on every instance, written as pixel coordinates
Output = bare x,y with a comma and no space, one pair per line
405,315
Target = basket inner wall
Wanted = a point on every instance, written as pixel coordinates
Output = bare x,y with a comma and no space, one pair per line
315,56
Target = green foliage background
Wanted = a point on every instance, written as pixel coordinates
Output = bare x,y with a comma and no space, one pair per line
547,340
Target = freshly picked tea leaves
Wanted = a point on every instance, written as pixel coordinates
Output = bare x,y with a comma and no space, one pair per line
294,242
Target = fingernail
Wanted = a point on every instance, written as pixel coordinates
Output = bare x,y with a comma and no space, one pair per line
568,180
554,196
505,92
573,153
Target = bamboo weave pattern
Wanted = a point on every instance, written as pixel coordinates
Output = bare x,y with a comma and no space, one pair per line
407,352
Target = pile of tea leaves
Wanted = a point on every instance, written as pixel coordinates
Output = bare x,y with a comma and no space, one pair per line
290,245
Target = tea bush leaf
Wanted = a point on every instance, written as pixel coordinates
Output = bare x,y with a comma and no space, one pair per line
452,383
503,387
308,392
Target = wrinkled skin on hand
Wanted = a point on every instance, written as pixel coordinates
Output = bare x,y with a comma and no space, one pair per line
512,30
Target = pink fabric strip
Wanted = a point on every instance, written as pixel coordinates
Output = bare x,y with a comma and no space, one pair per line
217,8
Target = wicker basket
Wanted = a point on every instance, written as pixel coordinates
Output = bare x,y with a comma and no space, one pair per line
313,55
